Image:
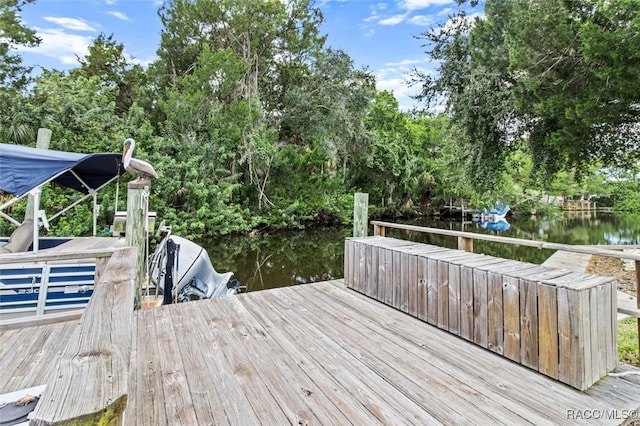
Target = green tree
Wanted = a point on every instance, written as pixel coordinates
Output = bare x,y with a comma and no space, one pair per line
15,122
327,109
556,74
324,137
475,82
242,86
13,34
106,61
199,150
387,163
79,111
576,80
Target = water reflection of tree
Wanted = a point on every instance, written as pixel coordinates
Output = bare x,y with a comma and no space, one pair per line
281,258
260,261
277,259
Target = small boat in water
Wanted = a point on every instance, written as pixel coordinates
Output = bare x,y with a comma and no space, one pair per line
29,286
497,213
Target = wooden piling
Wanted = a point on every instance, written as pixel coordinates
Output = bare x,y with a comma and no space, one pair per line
360,214
136,235
42,142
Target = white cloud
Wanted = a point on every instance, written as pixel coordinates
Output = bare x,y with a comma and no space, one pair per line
398,87
61,46
406,9
421,20
451,24
142,62
446,11
421,4
406,62
118,15
429,70
394,77
395,85
392,20
74,24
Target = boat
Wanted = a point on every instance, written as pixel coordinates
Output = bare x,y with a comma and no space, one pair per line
497,213
29,286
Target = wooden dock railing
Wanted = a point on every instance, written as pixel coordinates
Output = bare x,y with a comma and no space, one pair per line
558,322
90,383
368,275
465,242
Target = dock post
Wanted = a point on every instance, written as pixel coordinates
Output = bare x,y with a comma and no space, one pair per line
465,244
42,142
378,230
136,228
33,199
360,214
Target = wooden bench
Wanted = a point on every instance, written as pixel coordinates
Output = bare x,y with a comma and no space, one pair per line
90,383
555,321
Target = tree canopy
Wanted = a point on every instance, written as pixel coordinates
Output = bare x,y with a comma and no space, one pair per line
253,122
556,75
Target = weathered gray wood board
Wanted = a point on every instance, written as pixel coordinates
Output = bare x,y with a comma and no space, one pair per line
321,354
314,354
556,321
91,375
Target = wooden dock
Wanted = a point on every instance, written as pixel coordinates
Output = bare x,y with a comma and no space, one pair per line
627,304
315,354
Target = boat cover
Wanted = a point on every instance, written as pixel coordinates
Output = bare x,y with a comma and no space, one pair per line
23,168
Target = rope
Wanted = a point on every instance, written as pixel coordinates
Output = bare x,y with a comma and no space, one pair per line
625,373
117,191
144,201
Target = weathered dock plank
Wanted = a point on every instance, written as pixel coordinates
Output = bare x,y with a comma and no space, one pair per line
298,393
320,354
351,367
149,391
393,357
92,374
178,402
327,388
447,395
323,354
505,380
28,355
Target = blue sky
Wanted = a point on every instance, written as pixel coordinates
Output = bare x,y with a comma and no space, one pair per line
378,34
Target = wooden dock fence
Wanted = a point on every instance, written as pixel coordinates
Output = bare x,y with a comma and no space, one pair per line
557,322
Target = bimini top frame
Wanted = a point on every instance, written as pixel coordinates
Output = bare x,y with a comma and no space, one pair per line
25,171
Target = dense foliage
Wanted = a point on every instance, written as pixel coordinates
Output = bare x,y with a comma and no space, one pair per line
252,122
558,78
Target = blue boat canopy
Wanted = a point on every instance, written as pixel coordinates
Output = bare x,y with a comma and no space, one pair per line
23,168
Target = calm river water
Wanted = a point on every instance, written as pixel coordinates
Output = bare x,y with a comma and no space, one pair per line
297,257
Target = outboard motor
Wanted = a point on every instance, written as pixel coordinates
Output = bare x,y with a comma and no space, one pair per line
189,269
196,277
168,271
